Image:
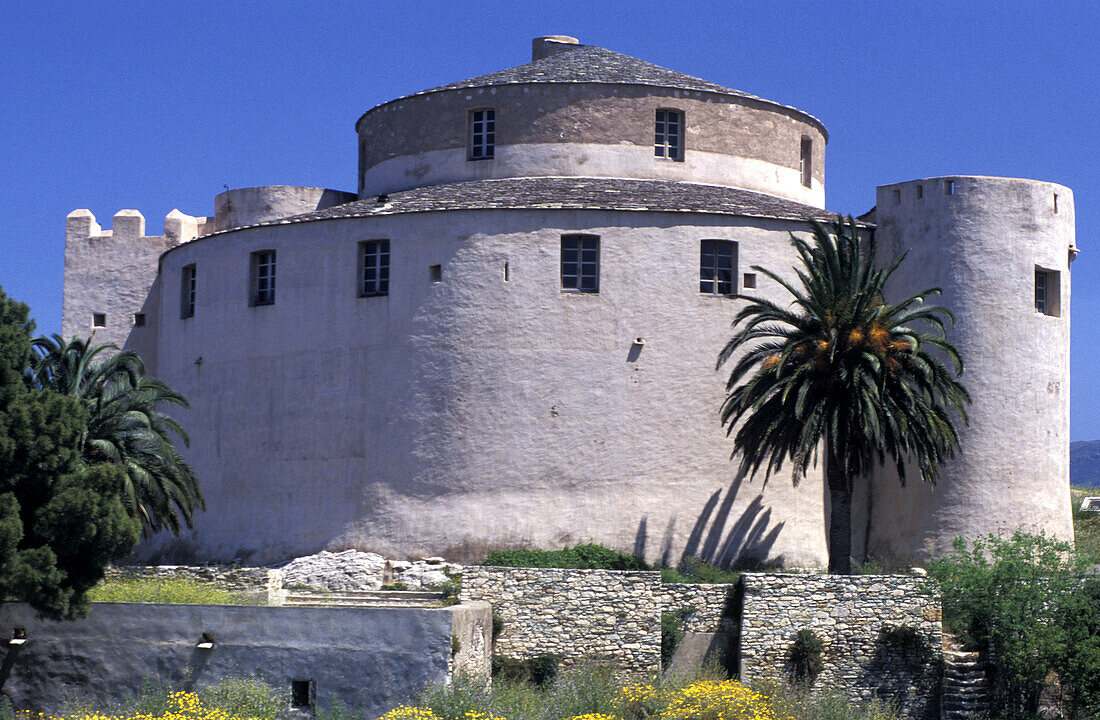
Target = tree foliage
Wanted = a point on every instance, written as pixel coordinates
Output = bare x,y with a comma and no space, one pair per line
125,426
843,369
61,521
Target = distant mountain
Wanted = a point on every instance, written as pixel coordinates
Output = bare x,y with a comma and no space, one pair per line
1084,463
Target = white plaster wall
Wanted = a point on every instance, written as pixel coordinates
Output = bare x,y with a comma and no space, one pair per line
246,206
981,245
590,160
453,417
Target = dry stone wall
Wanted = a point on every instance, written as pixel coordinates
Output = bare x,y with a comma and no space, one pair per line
711,606
575,614
849,615
263,583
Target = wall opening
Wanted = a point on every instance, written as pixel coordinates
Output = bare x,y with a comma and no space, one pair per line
897,197
139,319
949,187
920,192
435,272
749,281
1055,203
806,160
507,273
302,693
99,320
1048,292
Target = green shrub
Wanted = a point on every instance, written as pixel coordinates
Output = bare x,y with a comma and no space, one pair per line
451,589
796,703
804,658
698,571
167,590
394,586
583,557
672,632
498,626
538,670
1086,526
246,697
905,642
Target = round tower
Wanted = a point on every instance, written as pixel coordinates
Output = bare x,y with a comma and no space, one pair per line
1000,248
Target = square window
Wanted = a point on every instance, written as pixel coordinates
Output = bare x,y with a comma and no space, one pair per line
187,291
263,278
668,135
1047,292
749,281
99,320
718,267
580,263
482,137
139,319
374,268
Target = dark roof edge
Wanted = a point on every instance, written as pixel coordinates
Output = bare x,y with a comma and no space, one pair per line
787,109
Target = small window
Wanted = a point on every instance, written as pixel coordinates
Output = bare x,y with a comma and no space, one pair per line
99,320
187,291
717,267
949,187
806,161
374,268
435,272
1055,203
302,693
920,192
580,263
139,319
1047,292
507,272
897,197
668,135
483,134
263,277
750,281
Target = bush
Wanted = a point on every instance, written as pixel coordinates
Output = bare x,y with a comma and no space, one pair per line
804,658
582,557
672,632
538,670
167,590
905,642
696,570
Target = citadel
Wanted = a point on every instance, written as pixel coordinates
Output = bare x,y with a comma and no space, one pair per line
508,335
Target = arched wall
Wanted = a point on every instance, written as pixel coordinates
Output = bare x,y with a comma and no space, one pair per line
471,413
591,130
981,239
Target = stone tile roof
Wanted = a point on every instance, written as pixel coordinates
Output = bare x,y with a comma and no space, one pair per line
591,64
571,193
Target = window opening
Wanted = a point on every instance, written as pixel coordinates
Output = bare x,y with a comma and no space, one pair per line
263,277
580,263
920,192
897,197
507,272
668,135
717,267
139,319
1047,292
301,693
1055,203
187,291
436,273
949,186
483,134
806,161
99,320
374,268
749,281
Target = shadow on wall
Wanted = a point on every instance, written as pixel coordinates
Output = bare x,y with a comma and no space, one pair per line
744,543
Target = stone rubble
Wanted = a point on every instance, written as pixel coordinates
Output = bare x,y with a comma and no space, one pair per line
355,570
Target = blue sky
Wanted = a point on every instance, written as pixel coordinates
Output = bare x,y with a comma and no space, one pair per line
155,106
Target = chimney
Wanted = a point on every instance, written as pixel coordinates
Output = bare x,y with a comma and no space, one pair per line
548,45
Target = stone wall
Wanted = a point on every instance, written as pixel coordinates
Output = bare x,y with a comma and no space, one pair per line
711,605
265,584
575,614
848,614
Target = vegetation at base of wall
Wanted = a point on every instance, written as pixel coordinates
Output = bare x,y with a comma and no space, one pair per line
1086,526
672,632
451,589
538,671
698,571
804,658
1028,601
394,586
167,590
580,557
906,643
591,692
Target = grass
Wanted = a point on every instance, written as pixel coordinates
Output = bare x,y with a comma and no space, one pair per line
167,590
1086,525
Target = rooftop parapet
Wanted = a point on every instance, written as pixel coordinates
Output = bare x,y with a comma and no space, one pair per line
130,225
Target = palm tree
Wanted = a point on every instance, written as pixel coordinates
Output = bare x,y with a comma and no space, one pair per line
125,426
843,371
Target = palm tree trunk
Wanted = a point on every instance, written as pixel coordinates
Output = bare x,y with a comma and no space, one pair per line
840,517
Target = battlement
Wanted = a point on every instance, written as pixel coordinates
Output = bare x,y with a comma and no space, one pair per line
130,225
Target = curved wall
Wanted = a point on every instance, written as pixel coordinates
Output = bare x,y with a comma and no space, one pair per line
982,245
475,412
248,206
592,130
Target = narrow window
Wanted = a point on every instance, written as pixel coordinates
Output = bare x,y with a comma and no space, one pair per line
435,272
949,187
580,263
302,693
750,281
263,277
1047,292
717,267
897,197
99,320
1055,203
483,134
374,268
668,135
507,272
187,291
139,319
920,192
806,161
